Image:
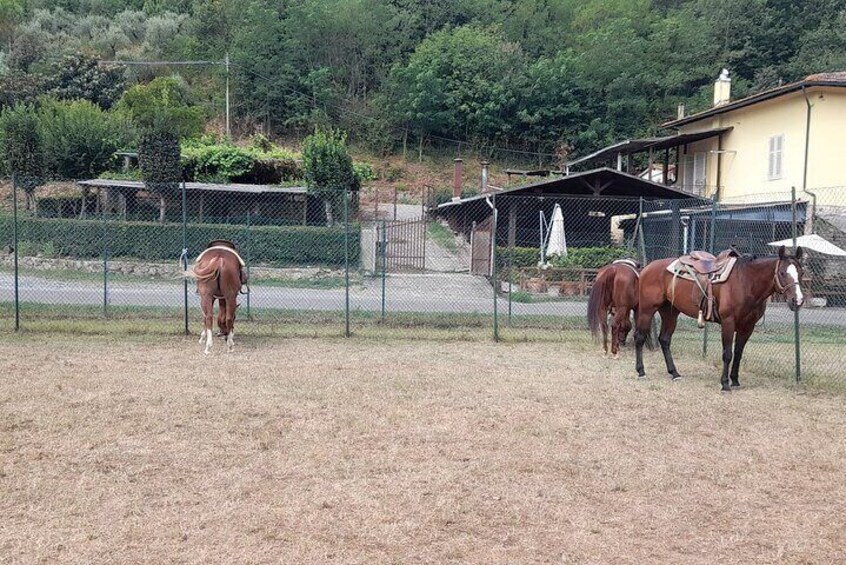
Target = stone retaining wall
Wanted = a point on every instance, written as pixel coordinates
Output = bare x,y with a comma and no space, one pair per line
159,270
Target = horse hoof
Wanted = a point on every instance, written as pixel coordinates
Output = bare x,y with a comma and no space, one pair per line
641,377
616,356
677,378
735,385
725,390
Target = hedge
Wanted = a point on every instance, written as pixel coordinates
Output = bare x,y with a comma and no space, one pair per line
278,245
577,257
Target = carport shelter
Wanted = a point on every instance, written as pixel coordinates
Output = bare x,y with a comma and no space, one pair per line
589,201
211,202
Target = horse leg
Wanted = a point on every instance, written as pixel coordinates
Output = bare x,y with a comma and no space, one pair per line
221,317
739,343
669,318
617,328
207,306
231,305
643,326
728,338
604,325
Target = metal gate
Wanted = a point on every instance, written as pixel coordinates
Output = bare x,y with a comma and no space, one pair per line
480,248
405,245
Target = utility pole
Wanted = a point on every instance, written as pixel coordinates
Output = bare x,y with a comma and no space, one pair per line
226,62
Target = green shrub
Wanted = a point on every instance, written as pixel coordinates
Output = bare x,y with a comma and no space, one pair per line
281,246
576,258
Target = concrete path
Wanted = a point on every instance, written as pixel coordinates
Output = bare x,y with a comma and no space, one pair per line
430,293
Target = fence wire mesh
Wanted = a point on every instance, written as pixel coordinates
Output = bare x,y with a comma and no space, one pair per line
97,254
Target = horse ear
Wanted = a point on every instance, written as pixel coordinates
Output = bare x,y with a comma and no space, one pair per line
799,253
781,252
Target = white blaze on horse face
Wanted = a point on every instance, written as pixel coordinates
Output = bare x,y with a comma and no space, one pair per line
794,274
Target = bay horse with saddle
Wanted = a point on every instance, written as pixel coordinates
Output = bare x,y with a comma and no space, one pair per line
730,290
614,293
219,272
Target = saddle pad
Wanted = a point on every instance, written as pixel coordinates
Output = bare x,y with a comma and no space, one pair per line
229,249
718,277
628,263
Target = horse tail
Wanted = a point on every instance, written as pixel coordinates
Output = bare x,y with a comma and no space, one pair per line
206,273
597,309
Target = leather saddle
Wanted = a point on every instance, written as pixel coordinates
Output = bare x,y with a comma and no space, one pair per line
704,263
706,270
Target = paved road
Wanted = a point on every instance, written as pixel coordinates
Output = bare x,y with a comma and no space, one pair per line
432,293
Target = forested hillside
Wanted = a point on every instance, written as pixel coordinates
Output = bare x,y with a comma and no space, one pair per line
540,76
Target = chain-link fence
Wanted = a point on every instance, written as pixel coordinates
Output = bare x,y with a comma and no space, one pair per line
102,256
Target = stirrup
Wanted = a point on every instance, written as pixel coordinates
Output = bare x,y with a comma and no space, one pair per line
700,321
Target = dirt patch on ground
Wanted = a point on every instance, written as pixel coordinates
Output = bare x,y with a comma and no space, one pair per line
355,451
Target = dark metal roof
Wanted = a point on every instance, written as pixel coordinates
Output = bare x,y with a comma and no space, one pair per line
602,183
201,187
823,79
655,143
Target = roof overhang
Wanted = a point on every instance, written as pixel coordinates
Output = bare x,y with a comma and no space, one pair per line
650,143
754,99
598,183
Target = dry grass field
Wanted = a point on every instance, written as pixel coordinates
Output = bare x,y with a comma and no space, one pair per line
299,450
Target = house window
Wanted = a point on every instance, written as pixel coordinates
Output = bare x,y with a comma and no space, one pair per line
695,171
776,152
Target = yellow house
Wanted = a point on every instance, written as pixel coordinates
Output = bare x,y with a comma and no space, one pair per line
792,135
749,150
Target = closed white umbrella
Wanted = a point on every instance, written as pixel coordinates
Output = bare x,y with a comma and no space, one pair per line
557,244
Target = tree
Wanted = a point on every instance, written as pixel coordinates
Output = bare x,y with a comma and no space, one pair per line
329,170
460,82
20,88
80,76
80,139
163,113
23,150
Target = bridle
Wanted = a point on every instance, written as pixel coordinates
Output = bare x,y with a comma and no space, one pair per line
782,288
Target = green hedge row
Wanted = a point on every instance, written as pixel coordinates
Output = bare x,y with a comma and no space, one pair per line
277,245
577,257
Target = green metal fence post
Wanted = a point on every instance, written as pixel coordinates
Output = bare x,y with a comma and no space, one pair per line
15,251
711,250
494,271
105,254
640,239
184,258
247,253
798,359
383,256
347,262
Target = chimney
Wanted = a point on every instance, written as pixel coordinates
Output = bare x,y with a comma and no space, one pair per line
680,112
484,176
722,89
457,171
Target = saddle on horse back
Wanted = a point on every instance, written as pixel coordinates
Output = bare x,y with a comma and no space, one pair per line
225,243
705,270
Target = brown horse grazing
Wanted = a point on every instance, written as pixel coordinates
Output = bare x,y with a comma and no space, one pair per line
740,302
219,275
614,292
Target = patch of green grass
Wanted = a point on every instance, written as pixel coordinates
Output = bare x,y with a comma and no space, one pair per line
442,236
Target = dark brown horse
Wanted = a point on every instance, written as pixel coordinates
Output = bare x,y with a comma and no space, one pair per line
218,271
740,302
614,292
